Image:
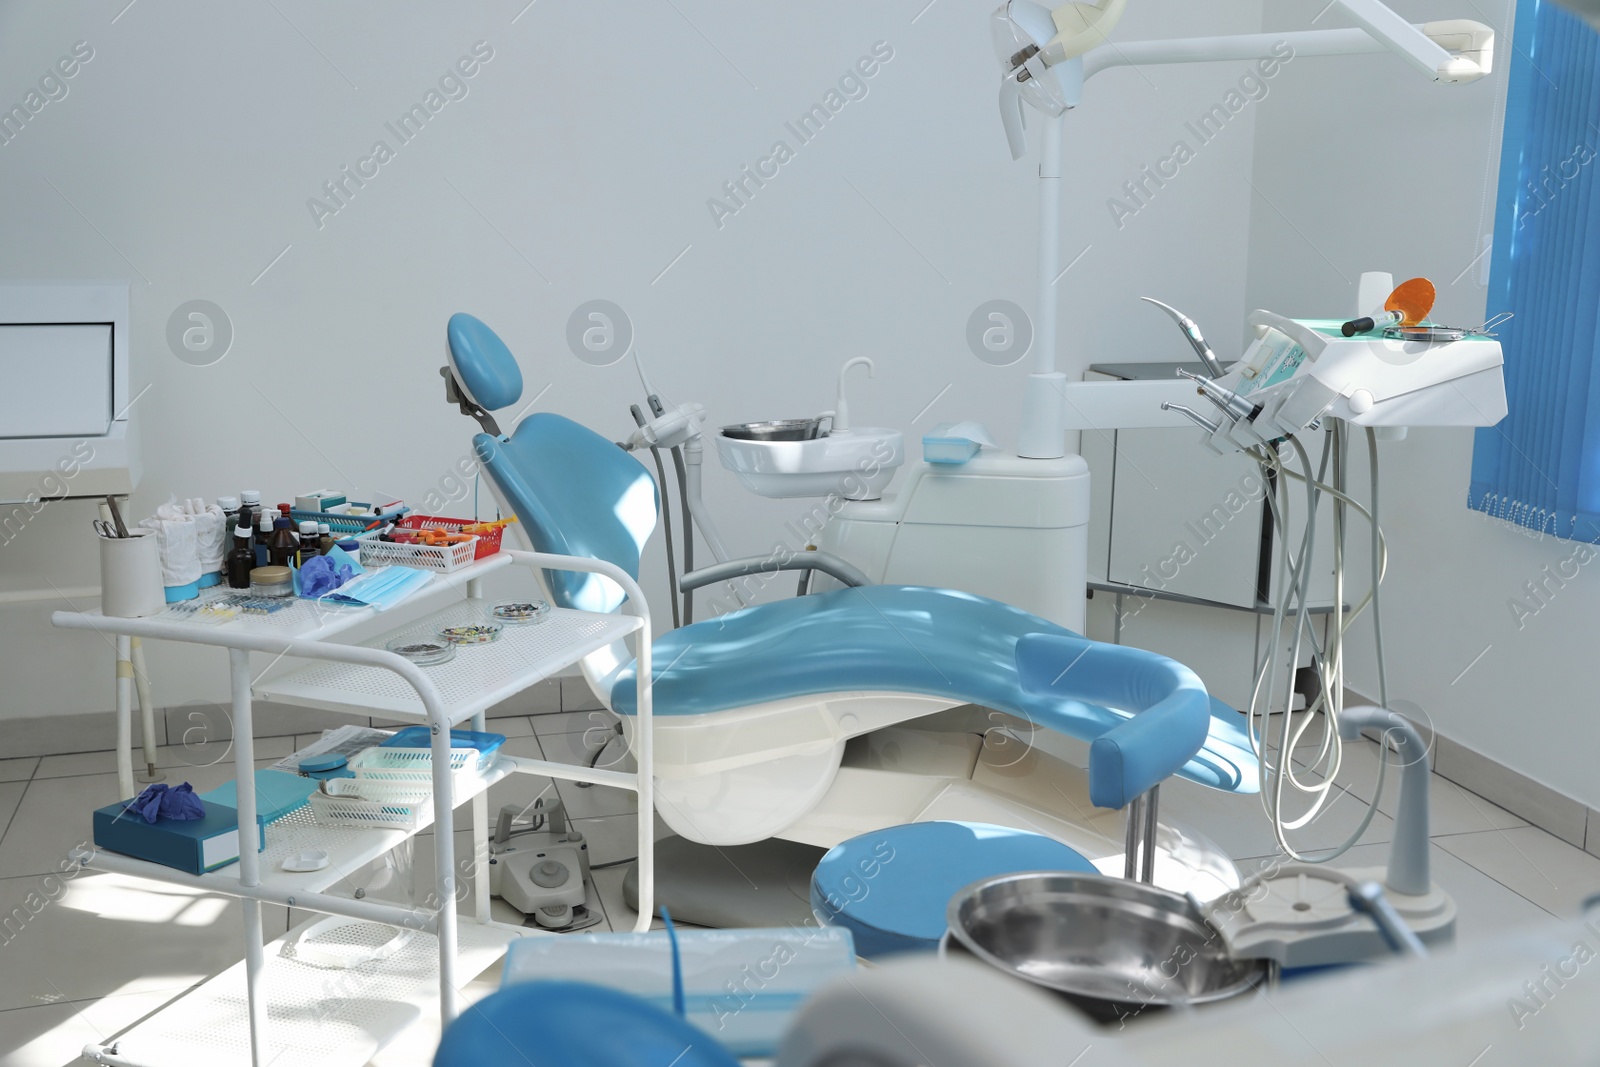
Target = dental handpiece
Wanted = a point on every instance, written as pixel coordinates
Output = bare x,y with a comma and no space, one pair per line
1232,404
1193,416
1191,332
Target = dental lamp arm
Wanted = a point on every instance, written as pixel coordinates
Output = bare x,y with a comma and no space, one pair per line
1474,42
826,562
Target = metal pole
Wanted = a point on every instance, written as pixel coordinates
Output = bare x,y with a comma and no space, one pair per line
1147,872
1132,849
124,718
147,711
1139,858
480,841
249,858
444,858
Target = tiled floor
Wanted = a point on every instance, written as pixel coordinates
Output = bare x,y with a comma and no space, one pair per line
103,951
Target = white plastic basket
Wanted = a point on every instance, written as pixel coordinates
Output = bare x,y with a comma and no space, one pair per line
413,764
378,790
446,558
361,811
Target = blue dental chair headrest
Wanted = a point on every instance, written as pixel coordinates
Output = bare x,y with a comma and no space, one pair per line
575,493
484,367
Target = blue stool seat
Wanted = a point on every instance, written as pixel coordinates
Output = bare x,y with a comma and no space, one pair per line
891,887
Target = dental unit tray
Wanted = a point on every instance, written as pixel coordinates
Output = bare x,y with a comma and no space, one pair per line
1298,371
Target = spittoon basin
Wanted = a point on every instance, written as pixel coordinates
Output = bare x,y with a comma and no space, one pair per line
1109,946
855,464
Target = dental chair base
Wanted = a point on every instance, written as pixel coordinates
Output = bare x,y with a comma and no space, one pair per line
734,888
948,768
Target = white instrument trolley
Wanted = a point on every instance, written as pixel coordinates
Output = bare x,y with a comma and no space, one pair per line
274,1007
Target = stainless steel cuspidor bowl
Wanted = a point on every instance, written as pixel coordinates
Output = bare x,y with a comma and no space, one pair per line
782,430
1111,947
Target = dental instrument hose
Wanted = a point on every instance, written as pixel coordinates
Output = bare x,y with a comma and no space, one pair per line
666,527
666,508
1294,579
688,532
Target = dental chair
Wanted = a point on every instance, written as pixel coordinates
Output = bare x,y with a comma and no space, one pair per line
753,711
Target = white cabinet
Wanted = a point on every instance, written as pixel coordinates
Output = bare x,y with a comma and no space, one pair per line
1172,516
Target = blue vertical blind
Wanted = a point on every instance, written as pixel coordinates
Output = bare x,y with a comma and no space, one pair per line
1540,467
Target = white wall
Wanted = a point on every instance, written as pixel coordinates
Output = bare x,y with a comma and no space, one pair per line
578,166
1334,212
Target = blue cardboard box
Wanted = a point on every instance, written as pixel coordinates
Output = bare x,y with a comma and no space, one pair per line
193,845
277,794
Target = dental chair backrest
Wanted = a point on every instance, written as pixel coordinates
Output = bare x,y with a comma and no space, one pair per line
574,492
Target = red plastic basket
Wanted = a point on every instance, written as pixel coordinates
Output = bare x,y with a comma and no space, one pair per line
488,543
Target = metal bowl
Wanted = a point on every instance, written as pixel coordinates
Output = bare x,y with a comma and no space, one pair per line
1109,946
782,430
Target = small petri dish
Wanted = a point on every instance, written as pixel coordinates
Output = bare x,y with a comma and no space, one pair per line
520,612
422,650
476,633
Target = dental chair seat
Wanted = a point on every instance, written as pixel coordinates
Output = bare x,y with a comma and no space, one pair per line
914,639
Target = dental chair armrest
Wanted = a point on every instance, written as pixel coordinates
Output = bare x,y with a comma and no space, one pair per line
1172,711
826,562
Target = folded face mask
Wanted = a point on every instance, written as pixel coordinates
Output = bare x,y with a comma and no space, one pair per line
382,589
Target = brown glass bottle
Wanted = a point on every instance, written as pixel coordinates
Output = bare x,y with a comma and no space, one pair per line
242,560
284,544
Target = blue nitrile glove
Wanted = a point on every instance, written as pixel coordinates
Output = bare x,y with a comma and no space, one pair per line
161,801
321,575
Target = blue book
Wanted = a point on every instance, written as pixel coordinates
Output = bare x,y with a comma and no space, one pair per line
193,845
277,794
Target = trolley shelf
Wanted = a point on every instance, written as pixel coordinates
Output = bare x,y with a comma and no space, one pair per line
348,848
319,1016
479,677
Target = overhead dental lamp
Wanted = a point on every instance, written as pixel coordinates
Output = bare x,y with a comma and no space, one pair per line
1046,55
